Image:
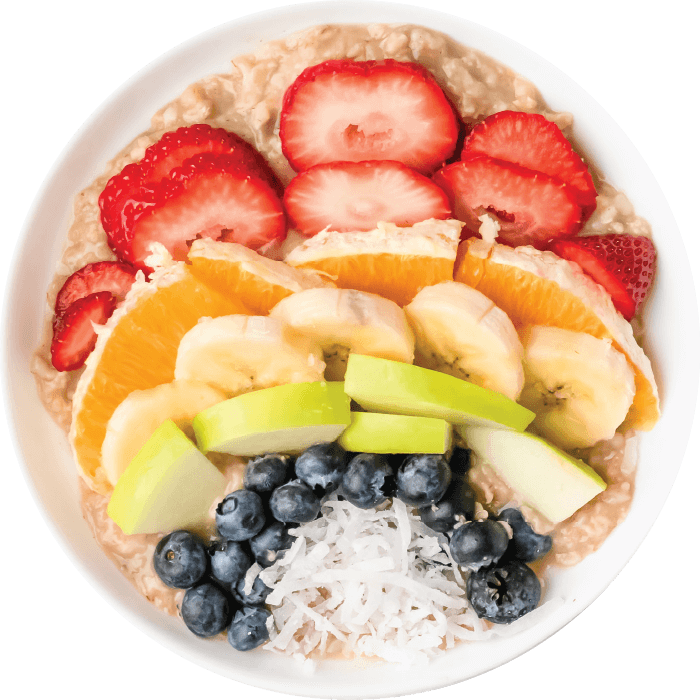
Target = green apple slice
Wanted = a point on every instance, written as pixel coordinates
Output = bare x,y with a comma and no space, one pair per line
547,478
387,386
383,433
168,485
287,418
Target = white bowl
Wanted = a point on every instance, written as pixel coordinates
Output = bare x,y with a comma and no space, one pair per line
55,486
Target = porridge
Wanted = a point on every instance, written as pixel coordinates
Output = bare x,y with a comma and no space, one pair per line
248,102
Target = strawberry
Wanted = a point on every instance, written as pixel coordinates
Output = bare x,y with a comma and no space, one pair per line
344,110
210,195
531,208
114,277
356,196
133,190
621,263
74,337
536,143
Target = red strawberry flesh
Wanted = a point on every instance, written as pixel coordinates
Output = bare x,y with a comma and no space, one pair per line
531,208
343,110
621,263
357,196
74,337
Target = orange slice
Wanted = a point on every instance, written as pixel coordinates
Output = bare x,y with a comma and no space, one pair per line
392,261
258,282
136,349
539,288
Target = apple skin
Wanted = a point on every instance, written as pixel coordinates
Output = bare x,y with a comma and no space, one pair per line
285,419
384,433
387,386
169,485
545,477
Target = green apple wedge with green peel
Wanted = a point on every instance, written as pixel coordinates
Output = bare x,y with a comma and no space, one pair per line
168,485
387,386
384,433
287,419
547,479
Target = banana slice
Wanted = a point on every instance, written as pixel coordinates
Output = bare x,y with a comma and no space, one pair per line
579,386
342,321
459,331
241,353
142,412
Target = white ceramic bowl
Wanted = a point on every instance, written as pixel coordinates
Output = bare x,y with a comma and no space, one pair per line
49,467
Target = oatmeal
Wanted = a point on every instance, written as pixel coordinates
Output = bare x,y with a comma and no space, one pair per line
247,101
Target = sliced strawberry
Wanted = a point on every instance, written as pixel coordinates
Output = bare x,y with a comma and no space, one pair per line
105,276
74,337
209,196
356,196
344,110
533,141
531,208
621,263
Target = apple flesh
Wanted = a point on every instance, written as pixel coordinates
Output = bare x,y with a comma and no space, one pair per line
169,485
286,419
383,433
386,386
545,477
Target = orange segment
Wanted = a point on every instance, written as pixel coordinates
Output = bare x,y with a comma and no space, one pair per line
137,350
539,288
257,281
395,262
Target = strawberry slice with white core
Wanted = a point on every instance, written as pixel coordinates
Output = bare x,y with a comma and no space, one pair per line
356,196
533,141
531,208
344,110
74,336
209,196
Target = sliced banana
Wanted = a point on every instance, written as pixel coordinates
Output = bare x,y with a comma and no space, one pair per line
241,353
460,331
342,321
137,417
579,386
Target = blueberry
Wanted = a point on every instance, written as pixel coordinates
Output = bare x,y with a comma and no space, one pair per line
294,502
457,505
460,460
240,515
525,544
422,480
478,543
265,473
368,481
257,594
270,543
504,592
180,559
229,561
322,467
206,610
249,628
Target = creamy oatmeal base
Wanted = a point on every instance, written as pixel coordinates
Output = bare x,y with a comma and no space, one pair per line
247,101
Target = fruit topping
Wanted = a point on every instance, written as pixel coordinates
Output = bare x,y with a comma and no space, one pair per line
533,141
206,610
321,467
229,561
249,628
525,544
347,196
422,480
622,264
530,207
270,544
478,543
105,276
210,195
240,515
180,559
369,480
460,460
504,592
253,593
74,336
294,502
263,474
371,110
455,507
